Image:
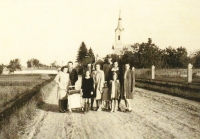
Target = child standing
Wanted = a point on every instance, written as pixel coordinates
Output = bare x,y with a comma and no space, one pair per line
105,94
87,90
115,92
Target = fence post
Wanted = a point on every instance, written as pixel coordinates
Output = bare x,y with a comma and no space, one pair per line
189,73
153,72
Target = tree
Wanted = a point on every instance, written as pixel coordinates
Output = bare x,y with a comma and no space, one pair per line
197,60
14,65
148,54
181,57
175,57
91,55
1,68
33,63
82,52
54,64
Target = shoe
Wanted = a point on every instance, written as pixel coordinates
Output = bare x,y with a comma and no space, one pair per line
99,109
61,111
70,111
119,109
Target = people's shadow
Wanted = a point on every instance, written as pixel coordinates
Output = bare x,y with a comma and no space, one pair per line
49,107
54,108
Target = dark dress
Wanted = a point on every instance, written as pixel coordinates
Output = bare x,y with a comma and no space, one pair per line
88,87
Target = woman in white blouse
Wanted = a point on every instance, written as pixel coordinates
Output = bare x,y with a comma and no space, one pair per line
63,82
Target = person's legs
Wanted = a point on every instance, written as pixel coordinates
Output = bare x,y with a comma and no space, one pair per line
129,104
99,105
92,101
112,105
119,100
126,103
88,104
65,104
59,105
116,106
85,104
109,105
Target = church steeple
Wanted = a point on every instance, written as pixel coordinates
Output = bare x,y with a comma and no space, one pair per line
118,31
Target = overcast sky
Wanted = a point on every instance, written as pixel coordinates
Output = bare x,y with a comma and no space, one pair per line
51,30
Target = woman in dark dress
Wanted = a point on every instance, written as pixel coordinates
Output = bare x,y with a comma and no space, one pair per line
87,90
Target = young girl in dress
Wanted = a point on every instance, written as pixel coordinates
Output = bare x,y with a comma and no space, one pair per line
87,90
115,92
105,94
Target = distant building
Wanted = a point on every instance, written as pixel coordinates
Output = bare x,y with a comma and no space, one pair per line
119,47
6,71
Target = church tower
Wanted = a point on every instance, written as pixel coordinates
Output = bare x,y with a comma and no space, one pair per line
119,33
118,45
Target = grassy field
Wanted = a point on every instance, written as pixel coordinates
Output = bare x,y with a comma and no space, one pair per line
11,86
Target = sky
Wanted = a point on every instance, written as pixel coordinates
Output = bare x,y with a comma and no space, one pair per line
52,30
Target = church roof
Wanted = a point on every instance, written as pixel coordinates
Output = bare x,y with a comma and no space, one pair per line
118,51
125,47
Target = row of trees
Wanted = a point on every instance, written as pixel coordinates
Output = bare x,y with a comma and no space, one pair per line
16,65
147,54
36,63
84,56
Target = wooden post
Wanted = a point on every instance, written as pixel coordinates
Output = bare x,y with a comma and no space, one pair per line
153,72
189,73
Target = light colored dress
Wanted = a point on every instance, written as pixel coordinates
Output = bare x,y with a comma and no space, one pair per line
114,89
63,81
98,77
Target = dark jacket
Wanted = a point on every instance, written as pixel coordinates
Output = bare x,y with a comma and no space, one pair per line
73,76
128,84
107,71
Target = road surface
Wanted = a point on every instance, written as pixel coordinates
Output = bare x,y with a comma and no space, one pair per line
154,115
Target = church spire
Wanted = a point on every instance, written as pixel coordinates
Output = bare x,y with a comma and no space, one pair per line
120,14
119,26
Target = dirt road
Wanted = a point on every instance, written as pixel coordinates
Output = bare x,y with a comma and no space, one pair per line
154,115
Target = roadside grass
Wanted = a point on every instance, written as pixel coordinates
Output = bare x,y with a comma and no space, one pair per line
13,126
175,91
11,86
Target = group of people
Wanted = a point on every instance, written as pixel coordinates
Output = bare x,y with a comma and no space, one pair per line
108,86
64,79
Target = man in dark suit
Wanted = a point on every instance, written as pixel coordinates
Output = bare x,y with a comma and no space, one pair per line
107,69
72,73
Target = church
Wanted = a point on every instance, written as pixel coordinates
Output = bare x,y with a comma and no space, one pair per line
119,47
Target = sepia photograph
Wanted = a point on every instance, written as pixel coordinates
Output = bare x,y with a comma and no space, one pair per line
99,69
